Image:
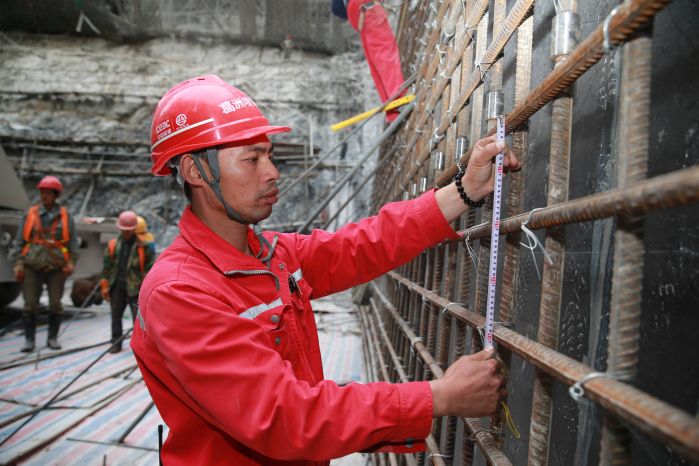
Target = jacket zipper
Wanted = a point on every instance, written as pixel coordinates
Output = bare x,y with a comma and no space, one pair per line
253,272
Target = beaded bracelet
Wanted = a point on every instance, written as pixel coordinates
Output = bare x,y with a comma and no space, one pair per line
459,187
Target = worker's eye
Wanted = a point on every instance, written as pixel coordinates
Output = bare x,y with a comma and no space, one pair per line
252,159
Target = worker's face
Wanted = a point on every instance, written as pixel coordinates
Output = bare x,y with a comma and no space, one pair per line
48,197
127,234
249,180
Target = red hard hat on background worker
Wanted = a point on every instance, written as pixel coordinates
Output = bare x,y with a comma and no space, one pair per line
50,182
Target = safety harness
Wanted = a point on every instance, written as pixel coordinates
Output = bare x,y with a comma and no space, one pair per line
111,246
34,233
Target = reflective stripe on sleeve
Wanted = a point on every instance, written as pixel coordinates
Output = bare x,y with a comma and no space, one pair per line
260,308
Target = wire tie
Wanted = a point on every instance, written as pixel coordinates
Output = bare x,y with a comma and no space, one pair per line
472,254
446,308
475,433
533,242
577,392
443,74
509,421
608,47
438,137
483,72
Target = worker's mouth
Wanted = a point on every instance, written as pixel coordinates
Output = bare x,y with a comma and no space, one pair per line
271,196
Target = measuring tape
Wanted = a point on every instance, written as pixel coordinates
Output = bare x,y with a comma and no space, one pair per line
495,234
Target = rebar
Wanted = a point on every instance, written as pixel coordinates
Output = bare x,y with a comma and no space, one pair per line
652,416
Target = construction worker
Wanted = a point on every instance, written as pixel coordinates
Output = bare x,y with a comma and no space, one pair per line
45,251
368,18
142,232
225,336
127,260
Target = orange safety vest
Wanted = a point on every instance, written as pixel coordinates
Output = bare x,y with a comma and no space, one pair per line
33,224
141,254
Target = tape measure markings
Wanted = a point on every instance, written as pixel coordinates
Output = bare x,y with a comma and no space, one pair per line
495,235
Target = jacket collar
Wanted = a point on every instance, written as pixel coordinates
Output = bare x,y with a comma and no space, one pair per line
222,254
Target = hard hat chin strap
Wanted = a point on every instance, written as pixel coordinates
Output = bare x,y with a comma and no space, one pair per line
214,183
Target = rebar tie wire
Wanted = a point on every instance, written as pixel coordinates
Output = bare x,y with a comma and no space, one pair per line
608,47
533,242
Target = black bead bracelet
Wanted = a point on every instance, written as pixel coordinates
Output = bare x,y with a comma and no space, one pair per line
462,193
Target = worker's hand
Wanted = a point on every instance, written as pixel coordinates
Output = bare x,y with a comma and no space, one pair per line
104,289
471,387
68,268
479,180
19,272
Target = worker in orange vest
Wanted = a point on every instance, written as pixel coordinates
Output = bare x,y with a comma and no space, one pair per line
45,251
127,259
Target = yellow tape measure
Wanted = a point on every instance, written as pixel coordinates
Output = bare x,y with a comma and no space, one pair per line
363,116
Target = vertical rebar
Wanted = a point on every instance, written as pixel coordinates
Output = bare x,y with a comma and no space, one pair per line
627,281
552,275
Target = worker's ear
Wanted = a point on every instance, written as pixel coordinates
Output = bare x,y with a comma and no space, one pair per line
190,172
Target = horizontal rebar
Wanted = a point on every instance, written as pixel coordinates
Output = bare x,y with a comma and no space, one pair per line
674,189
485,440
431,444
652,416
631,16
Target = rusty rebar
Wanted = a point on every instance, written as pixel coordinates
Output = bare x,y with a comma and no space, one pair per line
430,441
482,436
631,16
651,416
627,274
680,187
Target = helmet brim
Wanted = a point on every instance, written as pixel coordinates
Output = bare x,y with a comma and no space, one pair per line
162,168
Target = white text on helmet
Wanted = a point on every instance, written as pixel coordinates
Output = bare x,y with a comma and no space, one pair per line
228,106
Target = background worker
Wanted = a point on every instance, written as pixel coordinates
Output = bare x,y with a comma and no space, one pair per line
127,260
368,18
226,338
45,251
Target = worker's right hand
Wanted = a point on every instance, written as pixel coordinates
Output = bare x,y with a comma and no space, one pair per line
471,387
19,273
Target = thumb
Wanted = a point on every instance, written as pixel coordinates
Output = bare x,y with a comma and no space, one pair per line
483,355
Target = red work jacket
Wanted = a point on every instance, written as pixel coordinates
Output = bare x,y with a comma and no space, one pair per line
228,345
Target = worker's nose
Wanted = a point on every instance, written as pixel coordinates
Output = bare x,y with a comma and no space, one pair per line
271,174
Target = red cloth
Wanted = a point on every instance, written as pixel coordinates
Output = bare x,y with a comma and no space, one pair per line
380,48
233,362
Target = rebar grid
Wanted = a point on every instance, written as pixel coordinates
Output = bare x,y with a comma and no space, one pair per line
426,327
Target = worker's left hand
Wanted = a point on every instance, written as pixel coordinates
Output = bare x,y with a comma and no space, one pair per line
68,268
479,181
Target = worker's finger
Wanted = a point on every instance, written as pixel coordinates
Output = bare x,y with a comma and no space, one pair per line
511,162
483,153
483,355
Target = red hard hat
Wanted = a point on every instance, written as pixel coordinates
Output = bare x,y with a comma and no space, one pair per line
203,112
50,182
127,220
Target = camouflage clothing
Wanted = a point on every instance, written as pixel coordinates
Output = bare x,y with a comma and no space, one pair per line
134,276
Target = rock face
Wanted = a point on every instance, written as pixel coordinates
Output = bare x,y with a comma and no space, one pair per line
74,105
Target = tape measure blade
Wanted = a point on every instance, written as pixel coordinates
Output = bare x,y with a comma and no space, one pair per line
495,236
